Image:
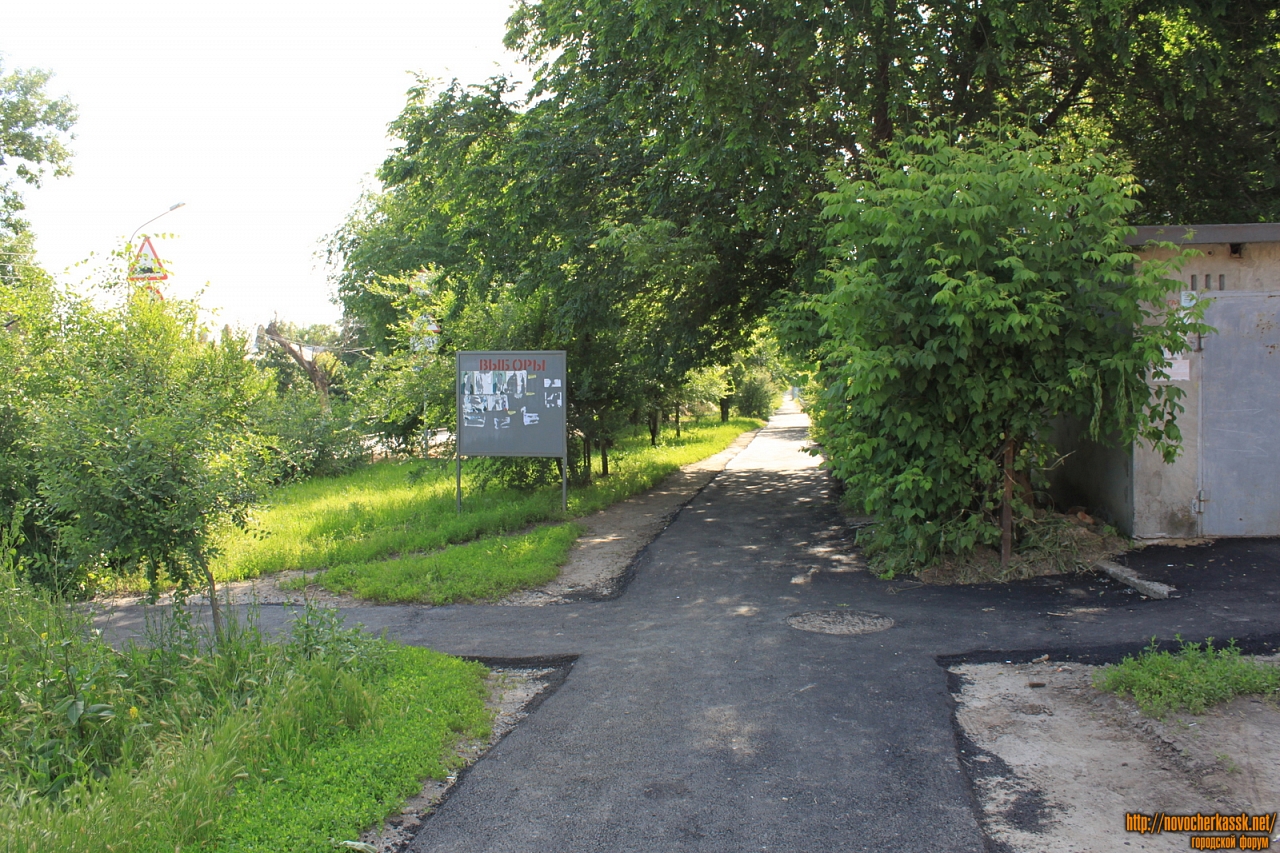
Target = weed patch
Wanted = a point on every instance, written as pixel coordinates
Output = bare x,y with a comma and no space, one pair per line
1194,678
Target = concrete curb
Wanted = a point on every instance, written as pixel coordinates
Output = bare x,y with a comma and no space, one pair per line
1129,577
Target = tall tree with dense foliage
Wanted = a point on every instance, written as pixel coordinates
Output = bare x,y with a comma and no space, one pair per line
525,219
748,101
661,187
980,287
34,130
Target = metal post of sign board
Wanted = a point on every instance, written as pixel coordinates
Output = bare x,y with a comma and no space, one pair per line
457,431
512,404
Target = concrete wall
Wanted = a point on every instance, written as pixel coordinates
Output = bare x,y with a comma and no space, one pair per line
1163,493
1134,488
1092,475
1256,270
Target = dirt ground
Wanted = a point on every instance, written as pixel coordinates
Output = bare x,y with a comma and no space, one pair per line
1057,767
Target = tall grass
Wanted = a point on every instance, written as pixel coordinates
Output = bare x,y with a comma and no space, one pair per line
399,508
255,745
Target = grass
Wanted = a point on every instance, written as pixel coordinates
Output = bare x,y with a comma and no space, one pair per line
258,744
1194,678
346,784
398,520
486,569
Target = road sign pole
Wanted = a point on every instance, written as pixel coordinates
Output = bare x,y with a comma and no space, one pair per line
564,484
459,492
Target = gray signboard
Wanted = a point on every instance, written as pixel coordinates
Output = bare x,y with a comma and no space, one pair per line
511,404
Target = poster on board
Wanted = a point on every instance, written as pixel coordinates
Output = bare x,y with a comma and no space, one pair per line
511,403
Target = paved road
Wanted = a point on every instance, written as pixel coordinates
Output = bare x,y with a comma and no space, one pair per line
695,718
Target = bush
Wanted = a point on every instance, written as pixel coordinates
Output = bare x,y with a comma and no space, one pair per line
307,439
980,287
754,396
521,473
74,711
252,744
149,450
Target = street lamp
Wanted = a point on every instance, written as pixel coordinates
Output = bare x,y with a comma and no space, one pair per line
171,209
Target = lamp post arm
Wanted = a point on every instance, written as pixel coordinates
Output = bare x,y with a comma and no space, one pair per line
153,219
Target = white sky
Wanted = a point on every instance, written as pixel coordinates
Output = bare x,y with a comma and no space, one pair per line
266,118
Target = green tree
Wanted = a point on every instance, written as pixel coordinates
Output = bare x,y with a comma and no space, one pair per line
1196,106
34,129
146,449
508,209
738,109
980,287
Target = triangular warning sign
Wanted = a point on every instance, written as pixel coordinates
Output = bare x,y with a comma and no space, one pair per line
146,264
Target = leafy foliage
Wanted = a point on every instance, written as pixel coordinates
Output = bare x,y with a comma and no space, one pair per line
31,370
1194,678
516,228
127,434
658,190
147,450
749,102
304,437
980,287
33,133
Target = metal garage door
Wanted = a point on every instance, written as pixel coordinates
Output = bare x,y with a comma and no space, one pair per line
1240,412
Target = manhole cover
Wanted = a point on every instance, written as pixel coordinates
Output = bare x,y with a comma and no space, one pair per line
842,622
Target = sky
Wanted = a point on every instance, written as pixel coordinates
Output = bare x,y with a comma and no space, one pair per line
266,119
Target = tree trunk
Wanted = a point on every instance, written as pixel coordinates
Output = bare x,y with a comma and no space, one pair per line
586,460
317,376
677,419
213,599
653,427
604,457
1006,511
881,82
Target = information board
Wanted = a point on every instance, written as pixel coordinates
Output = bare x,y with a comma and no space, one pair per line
511,404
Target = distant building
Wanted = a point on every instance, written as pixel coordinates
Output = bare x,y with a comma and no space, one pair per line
1227,480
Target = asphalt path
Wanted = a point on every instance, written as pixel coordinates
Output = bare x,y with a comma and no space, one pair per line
695,718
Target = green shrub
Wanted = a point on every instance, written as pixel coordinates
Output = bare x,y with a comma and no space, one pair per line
1194,678
754,396
980,286
519,473
307,439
